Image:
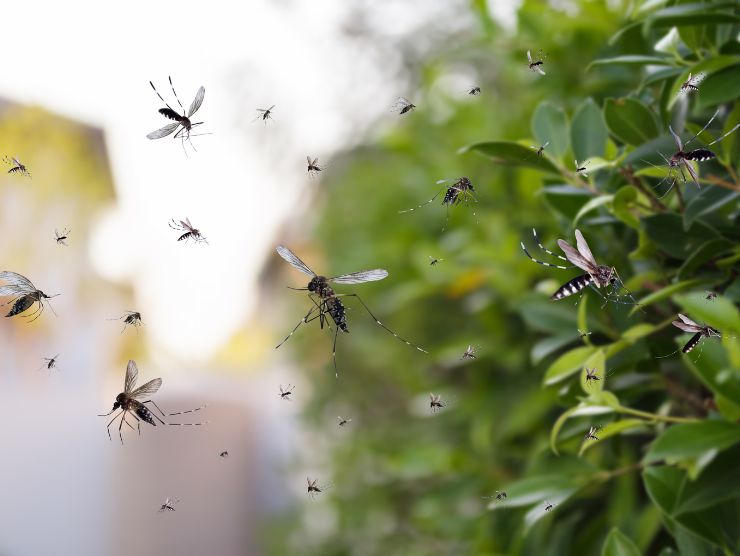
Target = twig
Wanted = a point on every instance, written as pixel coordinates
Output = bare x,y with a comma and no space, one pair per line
629,174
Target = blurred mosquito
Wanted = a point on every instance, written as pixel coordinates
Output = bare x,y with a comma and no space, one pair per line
597,276
179,120
61,239
471,352
457,191
435,402
314,488
287,392
128,403
343,421
224,454
688,325
540,149
130,318
327,302
500,496
711,296
591,434
591,375
582,334
50,362
581,170
313,166
403,105
169,504
474,91
17,167
191,232
25,294
264,114
433,261
548,506
535,65
691,85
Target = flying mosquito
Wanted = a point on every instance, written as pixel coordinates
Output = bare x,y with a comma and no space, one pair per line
474,91
471,352
62,238
314,488
130,318
169,504
403,105
541,148
327,302
457,191
500,496
434,261
598,276
688,325
313,166
711,296
287,392
591,375
191,232
535,65
128,403
264,114
583,333
435,402
591,434
581,170
179,120
343,421
51,362
691,85
548,506
17,167
224,454
25,294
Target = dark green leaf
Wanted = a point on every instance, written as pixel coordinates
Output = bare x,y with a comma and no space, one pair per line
618,544
513,154
549,123
630,121
689,441
720,87
588,133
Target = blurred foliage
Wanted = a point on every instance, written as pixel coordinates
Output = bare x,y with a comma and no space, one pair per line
659,479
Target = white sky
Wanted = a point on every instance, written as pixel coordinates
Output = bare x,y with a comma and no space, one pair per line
92,61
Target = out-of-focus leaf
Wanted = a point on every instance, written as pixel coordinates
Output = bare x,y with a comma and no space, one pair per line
665,293
566,199
666,231
720,87
618,544
705,252
593,204
623,203
549,123
631,60
710,199
691,441
700,13
588,133
612,429
546,346
513,154
630,121
716,484
568,364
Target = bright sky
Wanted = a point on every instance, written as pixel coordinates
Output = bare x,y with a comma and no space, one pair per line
92,61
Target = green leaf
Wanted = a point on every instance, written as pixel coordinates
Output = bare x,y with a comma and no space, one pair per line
618,544
709,200
612,429
720,313
588,133
705,252
593,204
568,364
716,484
635,60
699,13
720,87
513,154
630,121
623,205
692,441
708,67
666,231
549,123
665,293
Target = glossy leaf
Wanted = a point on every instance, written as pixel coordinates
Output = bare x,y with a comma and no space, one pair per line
513,154
618,544
630,121
549,123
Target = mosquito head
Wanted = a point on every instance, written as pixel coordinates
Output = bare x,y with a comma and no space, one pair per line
120,400
710,332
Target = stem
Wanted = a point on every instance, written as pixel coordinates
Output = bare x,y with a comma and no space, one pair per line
654,417
607,475
629,174
714,180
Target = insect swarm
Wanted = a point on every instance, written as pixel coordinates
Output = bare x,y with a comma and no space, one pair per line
286,393
190,231
61,239
460,190
17,167
327,302
25,294
169,504
183,120
128,403
535,64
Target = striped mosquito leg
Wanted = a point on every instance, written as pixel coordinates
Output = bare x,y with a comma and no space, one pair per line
302,321
692,343
369,312
543,263
573,286
158,409
421,205
546,250
174,93
334,353
187,411
160,96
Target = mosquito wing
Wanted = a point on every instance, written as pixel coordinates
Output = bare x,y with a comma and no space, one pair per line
308,160
575,257
147,389
294,261
583,248
686,324
16,284
529,56
163,132
539,70
197,101
360,277
132,373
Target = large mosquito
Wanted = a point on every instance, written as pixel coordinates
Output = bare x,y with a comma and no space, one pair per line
597,276
62,238
457,191
190,231
691,85
169,504
17,167
403,105
179,120
264,114
327,302
25,294
130,318
128,403
688,325
535,65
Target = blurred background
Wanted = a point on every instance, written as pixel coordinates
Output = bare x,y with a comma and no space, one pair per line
76,106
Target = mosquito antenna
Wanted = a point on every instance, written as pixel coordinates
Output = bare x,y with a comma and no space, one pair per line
725,135
160,96
702,129
176,97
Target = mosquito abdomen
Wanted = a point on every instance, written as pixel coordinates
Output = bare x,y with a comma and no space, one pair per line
170,114
21,304
700,155
691,344
144,414
572,287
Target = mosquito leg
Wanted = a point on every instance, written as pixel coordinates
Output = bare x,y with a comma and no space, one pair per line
155,405
174,93
546,250
421,205
334,353
110,423
380,323
302,321
120,434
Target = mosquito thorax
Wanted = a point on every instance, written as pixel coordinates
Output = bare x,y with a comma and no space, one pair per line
604,275
120,400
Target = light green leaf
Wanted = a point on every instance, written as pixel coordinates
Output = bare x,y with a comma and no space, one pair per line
634,60
593,204
568,364
665,293
549,123
688,442
513,154
588,133
618,544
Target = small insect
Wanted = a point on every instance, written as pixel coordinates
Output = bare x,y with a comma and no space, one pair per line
541,148
582,334
264,114
403,105
591,375
597,276
435,402
711,296
688,325
691,85
17,167
500,496
287,392
548,506
169,504
457,191
591,434
179,120
224,454
51,362
130,318
581,170
128,403
313,166
343,421
433,261
474,91
470,353
25,294
535,65
314,488
61,239
327,302
191,232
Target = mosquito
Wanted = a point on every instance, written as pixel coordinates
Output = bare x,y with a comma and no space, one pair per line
287,392
17,167
581,170
403,105
314,488
548,506
128,403
61,239
264,114
598,276
691,85
536,65
327,302
435,402
343,421
313,166
179,120
474,91
582,333
541,148
591,434
191,232
471,352
51,362
500,496
224,454
25,294
169,504
591,375
688,325
457,191
711,296
130,318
